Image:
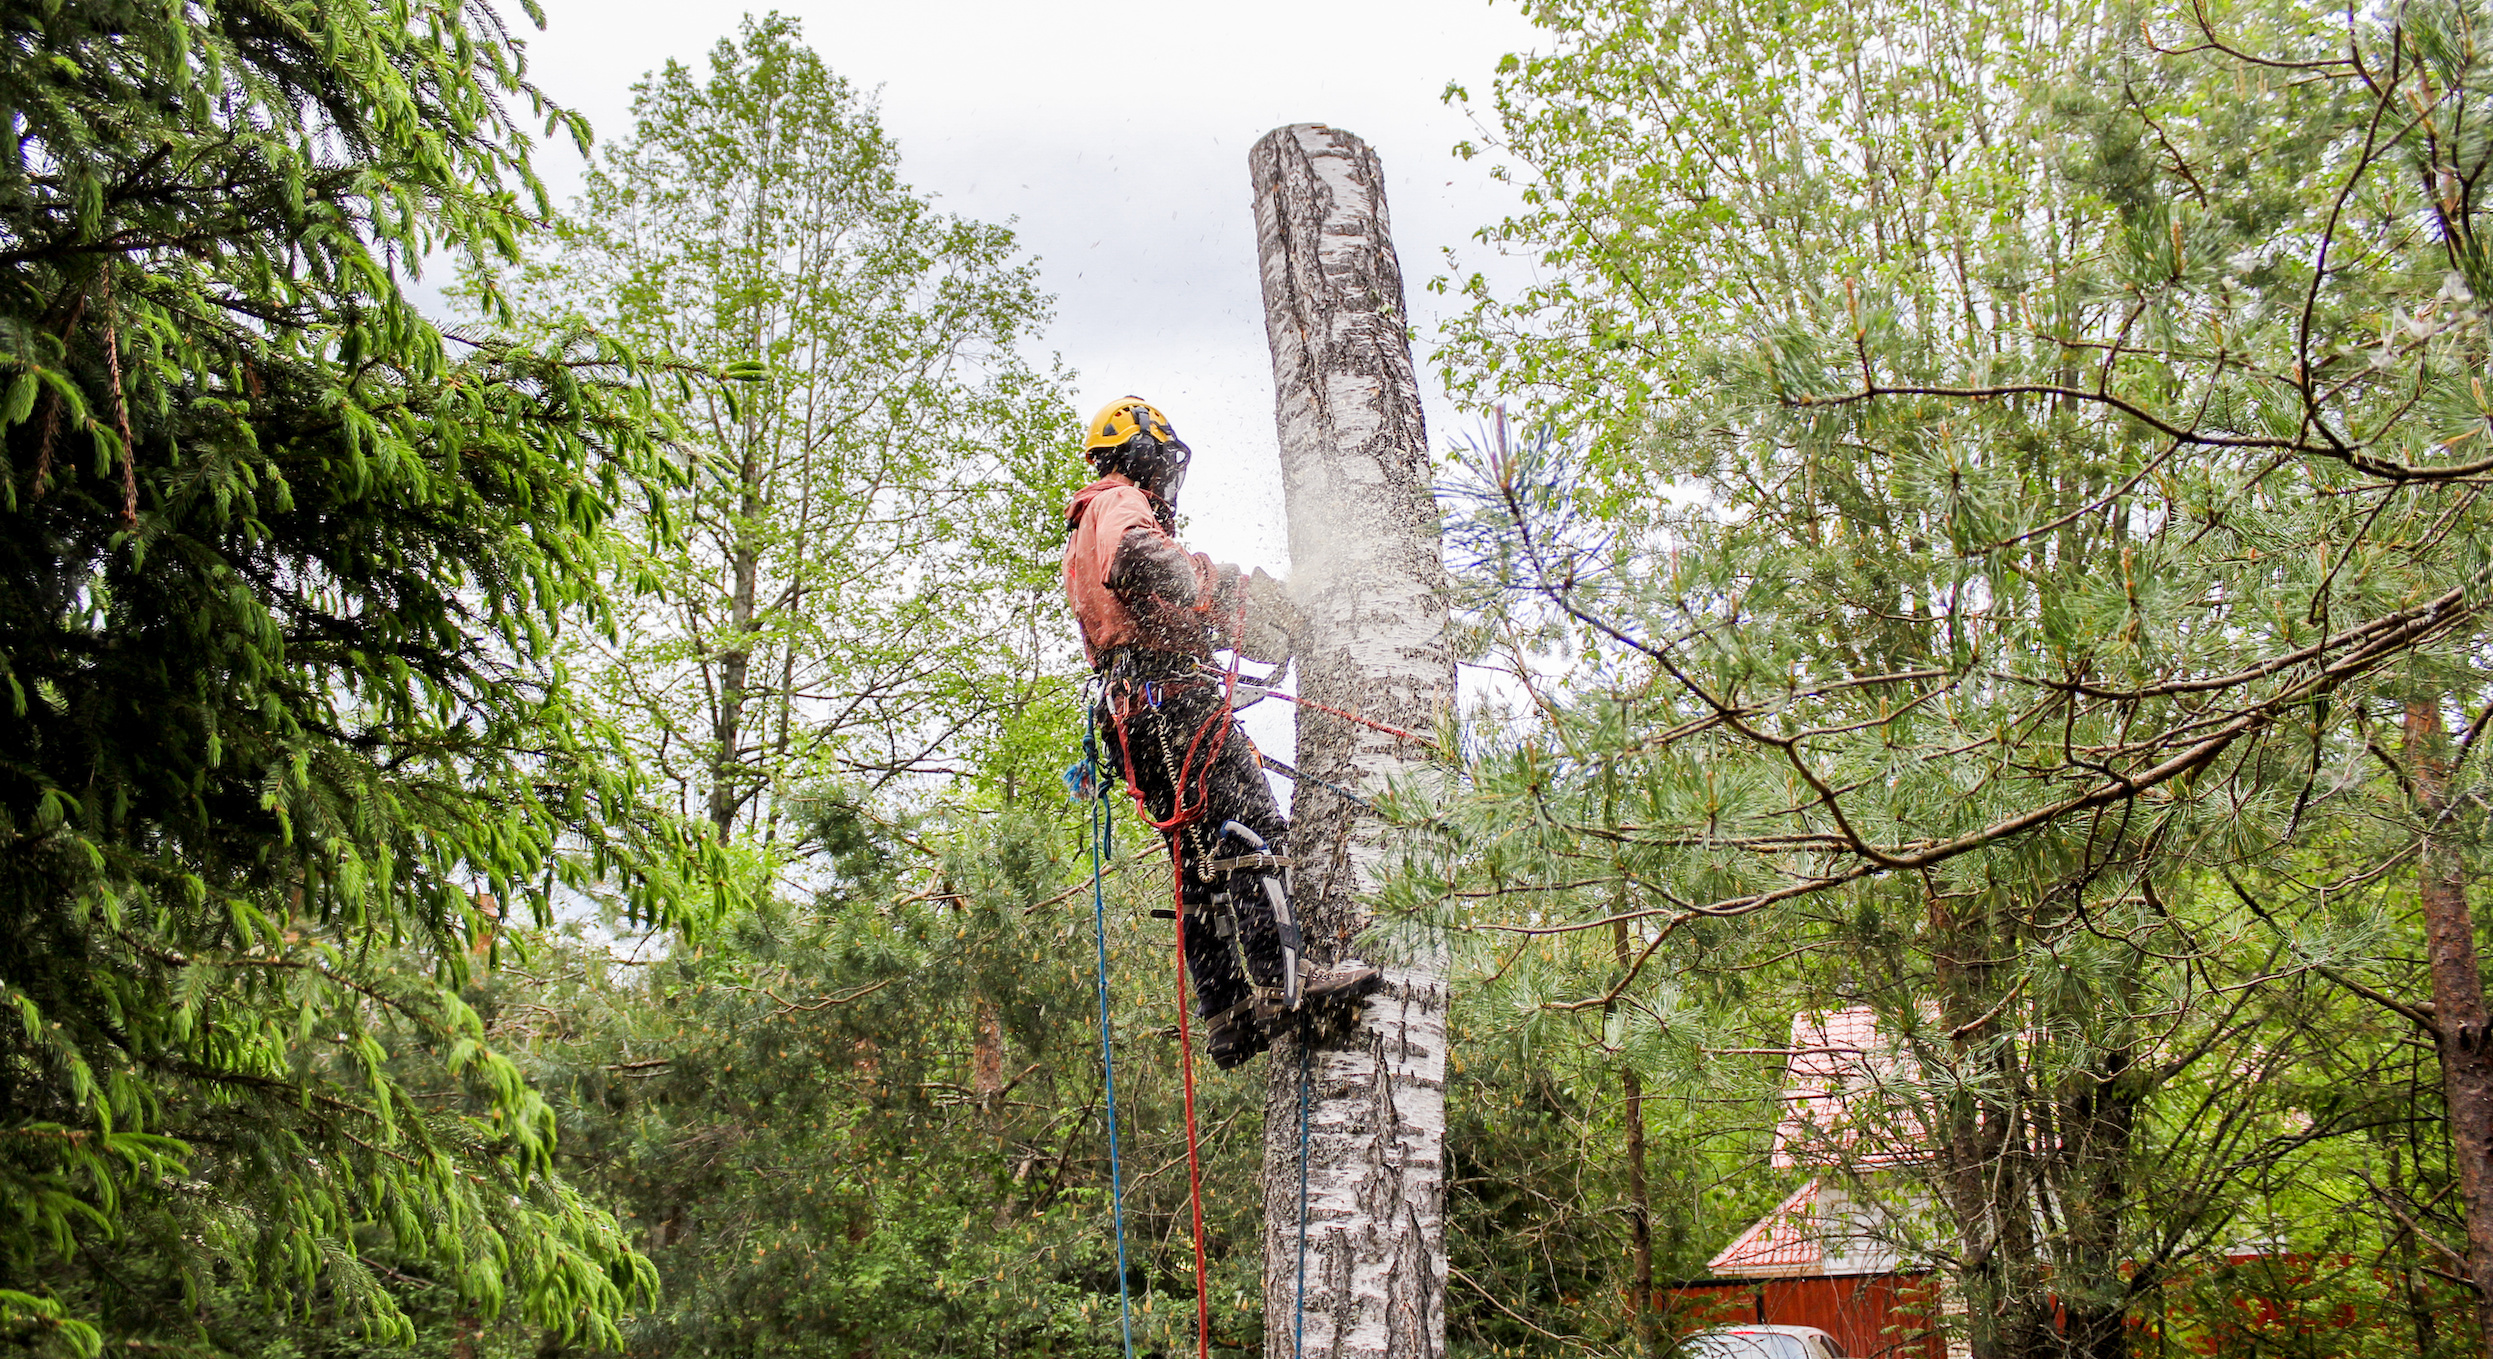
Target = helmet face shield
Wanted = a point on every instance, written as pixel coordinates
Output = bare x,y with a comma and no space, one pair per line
1131,436
1158,467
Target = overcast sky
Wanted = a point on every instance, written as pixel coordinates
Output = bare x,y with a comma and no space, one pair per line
1113,134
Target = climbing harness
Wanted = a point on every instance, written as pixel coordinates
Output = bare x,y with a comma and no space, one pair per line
1102,848
1192,775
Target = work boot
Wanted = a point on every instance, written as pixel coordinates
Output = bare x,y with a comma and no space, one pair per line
1233,1040
1342,985
1329,1005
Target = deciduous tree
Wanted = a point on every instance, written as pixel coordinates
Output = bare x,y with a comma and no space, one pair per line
862,594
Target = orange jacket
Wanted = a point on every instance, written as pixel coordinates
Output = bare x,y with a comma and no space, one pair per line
1131,584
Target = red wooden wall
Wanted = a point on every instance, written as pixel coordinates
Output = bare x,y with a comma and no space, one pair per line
1880,1316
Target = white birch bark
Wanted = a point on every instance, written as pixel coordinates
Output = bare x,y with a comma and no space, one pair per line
1368,577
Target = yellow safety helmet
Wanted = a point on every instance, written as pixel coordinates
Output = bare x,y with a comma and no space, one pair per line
1131,436
1120,420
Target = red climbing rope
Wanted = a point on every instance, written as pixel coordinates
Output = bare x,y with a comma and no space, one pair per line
1181,814
1194,1144
1371,722
1352,717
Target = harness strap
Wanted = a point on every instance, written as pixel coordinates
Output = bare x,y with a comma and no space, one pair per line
1239,862
1242,1007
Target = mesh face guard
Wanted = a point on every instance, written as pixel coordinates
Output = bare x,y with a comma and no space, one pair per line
1156,465
1131,436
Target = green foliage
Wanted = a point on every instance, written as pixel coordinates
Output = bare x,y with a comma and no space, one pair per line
280,733
1538,1191
874,1120
2006,470
863,596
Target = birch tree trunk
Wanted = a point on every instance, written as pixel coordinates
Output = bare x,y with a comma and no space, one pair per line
1369,580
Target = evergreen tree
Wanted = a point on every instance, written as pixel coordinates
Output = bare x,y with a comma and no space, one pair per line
874,1120
280,566
2018,477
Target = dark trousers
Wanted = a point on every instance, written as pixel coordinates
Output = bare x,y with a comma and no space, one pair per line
1152,724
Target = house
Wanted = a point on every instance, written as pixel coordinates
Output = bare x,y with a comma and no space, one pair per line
1826,1257
1821,1258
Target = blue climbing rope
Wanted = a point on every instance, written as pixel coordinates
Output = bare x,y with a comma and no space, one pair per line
1298,1319
1101,850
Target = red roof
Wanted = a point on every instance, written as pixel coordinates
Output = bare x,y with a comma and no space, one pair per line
1848,1100
1833,1109
1779,1243
1820,1229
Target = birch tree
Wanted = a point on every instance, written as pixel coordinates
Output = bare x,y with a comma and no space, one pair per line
1369,581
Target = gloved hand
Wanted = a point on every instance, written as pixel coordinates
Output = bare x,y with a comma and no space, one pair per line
1273,623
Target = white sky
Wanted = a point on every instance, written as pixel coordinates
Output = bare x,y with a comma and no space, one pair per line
1113,134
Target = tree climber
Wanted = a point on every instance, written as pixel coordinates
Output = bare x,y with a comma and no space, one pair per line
1151,615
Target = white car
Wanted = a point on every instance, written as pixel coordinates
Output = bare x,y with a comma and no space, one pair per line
1761,1342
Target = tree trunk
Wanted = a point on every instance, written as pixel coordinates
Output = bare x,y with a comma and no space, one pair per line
727,730
745,555
1370,584
1631,1083
2098,1130
2459,1028
1977,1176
1639,1198
987,1061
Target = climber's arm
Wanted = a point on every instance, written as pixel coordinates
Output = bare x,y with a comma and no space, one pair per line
1150,570
1180,596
